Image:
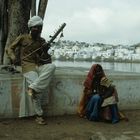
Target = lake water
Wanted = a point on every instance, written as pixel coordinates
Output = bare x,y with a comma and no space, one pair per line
115,66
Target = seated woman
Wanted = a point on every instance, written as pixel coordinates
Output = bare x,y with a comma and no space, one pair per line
97,89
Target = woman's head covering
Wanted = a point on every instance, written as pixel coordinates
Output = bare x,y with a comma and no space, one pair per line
95,69
35,21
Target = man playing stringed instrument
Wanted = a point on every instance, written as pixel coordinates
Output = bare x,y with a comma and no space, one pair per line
37,73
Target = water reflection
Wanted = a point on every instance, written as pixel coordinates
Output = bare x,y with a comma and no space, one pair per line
125,67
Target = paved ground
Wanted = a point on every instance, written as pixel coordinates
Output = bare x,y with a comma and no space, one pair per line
71,128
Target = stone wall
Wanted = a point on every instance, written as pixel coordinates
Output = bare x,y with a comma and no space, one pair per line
65,90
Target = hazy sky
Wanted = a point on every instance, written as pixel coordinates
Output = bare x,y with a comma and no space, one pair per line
92,21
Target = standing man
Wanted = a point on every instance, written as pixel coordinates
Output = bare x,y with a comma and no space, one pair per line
37,72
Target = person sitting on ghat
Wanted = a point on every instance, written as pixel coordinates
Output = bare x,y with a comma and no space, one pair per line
99,98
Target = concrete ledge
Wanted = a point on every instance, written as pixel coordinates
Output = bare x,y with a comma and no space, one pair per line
65,91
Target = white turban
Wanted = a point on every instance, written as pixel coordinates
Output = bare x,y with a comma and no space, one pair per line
35,21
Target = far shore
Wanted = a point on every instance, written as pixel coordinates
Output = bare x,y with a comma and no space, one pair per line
110,61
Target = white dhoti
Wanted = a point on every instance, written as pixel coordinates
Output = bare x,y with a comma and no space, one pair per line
39,81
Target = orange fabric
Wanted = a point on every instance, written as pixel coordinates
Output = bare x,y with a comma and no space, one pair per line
83,101
123,116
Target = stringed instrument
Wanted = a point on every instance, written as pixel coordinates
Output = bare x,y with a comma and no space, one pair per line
43,56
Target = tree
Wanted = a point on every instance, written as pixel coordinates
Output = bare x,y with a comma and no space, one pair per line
14,16
3,27
42,8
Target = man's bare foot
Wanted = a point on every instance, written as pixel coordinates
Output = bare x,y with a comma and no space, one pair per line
40,120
